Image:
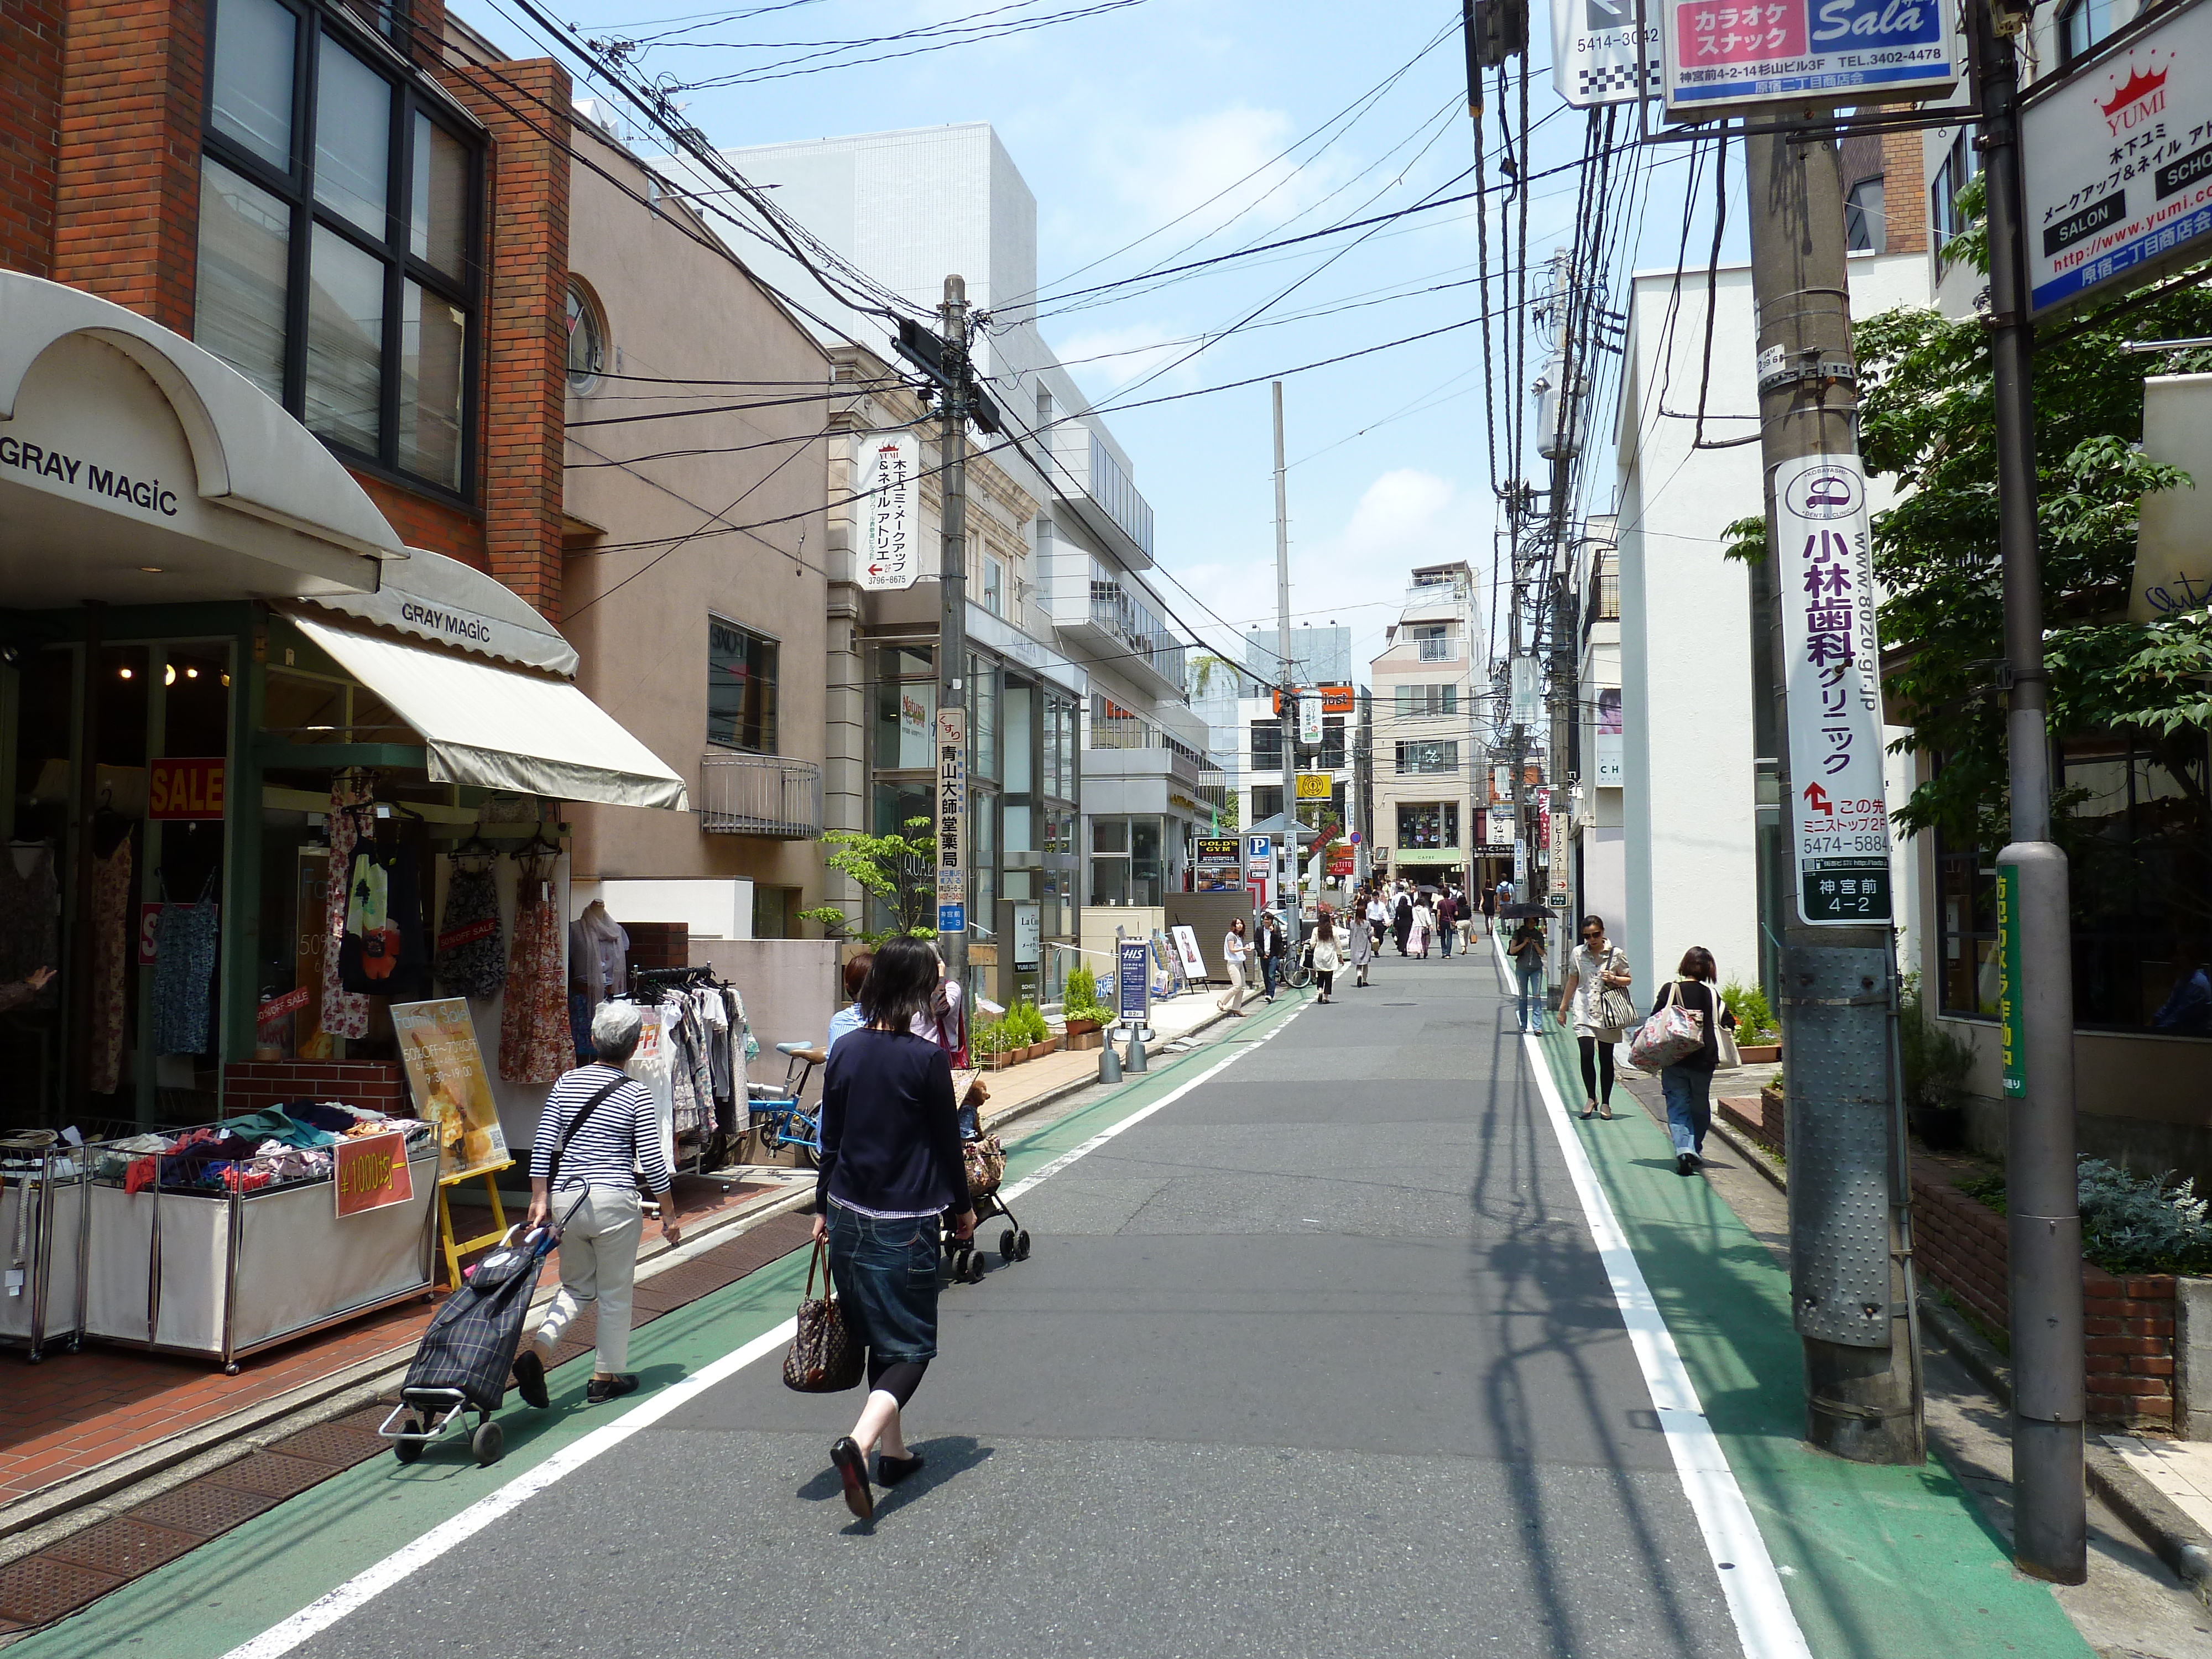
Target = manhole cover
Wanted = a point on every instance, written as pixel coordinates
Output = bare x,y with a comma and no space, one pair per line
198,1507
38,1590
272,1473
341,1444
123,1546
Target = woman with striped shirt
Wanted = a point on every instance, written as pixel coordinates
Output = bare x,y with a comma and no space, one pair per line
594,1190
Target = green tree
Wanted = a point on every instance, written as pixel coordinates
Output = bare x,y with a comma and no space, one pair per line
1927,418
896,875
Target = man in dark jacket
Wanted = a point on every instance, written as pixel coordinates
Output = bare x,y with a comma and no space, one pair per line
1401,919
1270,950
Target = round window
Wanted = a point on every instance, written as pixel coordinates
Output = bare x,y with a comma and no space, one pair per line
587,340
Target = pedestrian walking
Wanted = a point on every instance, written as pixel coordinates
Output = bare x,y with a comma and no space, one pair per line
1233,953
1378,918
1526,949
1463,911
1361,940
1328,956
1504,894
1447,923
891,1168
1689,1081
1271,951
604,1131
1489,910
1425,927
1597,967
1401,918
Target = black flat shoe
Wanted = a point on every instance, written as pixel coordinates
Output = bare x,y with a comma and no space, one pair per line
600,1389
1685,1164
889,1470
530,1379
853,1469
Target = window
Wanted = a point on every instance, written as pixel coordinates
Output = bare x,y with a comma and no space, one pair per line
982,719
1418,700
337,225
587,340
1428,828
1328,755
1961,163
1266,802
1865,230
1428,757
740,688
1434,641
1266,745
774,909
1126,864
994,585
2081,26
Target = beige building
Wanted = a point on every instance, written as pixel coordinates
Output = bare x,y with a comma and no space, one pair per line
1428,767
695,551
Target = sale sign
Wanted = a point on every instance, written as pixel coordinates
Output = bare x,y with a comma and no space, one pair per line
186,788
370,1173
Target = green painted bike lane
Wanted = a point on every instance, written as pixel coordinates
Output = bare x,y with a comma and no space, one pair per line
1897,1563
236,1586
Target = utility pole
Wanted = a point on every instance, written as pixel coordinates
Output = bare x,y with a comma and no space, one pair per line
1287,714
954,885
2050,1532
1851,1271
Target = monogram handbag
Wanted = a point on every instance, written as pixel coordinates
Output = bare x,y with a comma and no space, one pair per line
987,1165
823,1357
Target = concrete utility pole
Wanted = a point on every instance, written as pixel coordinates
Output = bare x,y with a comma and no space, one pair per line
2050,1535
1850,1270
1288,714
952,590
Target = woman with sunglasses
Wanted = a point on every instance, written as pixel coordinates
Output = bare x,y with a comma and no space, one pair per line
1596,966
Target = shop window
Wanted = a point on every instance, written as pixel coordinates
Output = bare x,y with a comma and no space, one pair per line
1428,827
906,721
587,340
1432,755
741,673
337,231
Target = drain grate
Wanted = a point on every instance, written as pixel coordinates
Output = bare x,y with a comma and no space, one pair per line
272,1473
124,1547
38,1590
341,1444
198,1507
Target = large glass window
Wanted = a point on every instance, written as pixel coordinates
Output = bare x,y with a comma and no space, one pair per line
1428,757
1127,862
1415,701
337,225
905,696
1266,745
1428,827
741,674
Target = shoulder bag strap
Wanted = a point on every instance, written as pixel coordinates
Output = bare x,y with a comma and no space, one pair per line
553,1170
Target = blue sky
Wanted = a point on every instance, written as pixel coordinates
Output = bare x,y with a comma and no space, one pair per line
1126,121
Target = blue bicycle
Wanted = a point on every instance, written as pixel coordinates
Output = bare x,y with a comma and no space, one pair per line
780,1117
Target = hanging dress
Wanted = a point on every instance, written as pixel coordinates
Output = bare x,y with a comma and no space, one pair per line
345,1013
184,973
111,916
29,908
534,1043
472,955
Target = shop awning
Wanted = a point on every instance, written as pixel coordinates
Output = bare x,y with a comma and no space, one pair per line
499,729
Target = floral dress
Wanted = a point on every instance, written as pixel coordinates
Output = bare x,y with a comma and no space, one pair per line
110,917
345,1013
534,1041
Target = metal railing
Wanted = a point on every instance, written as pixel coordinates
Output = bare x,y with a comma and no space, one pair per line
1439,650
1604,600
763,795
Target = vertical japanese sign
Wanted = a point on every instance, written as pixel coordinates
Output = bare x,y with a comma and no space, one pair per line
1562,865
888,555
1832,675
1308,717
951,820
2011,1011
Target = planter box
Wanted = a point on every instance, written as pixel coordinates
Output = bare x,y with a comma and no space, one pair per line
1761,1119
1080,1027
1759,1054
1080,1040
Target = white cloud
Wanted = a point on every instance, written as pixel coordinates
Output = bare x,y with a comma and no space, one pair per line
1163,172
1102,359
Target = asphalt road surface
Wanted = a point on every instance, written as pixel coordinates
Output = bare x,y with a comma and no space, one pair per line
1317,1359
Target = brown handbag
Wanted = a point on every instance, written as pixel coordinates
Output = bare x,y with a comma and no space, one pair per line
987,1165
823,1357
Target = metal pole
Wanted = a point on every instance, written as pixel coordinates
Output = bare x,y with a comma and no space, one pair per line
1287,716
1861,1397
952,581
2050,1532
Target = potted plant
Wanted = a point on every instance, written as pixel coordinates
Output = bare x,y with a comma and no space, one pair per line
1937,1067
987,1045
1085,1017
1026,1022
1757,1033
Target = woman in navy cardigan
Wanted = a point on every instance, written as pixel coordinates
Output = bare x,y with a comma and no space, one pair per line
892,1165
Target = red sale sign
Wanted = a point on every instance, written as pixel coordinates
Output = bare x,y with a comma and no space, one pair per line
370,1173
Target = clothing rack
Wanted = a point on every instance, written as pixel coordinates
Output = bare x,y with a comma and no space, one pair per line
647,988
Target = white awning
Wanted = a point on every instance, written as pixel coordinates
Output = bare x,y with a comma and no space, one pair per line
503,730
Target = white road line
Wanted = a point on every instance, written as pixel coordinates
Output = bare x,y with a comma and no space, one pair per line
1764,1621
327,1610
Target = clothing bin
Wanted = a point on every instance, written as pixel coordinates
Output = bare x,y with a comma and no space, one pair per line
44,1235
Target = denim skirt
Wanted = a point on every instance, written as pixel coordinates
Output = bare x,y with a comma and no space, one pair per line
886,1275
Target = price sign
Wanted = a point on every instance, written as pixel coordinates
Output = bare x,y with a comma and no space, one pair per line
369,1172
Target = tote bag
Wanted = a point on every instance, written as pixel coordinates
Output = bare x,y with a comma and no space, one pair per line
1673,1033
1615,1012
823,1358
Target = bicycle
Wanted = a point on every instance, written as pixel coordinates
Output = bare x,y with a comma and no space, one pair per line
782,1119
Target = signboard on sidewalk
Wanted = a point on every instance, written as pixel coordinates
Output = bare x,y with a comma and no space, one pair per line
1729,56
1134,979
2115,163
889,554
445,1077
951,820
1594,55
1186,944
1832,675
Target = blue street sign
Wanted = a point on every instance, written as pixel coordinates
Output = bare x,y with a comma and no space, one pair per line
1135,980
952,917
1258,847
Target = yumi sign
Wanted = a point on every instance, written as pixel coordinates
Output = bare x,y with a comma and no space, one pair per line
1722,57
1839,816
889,465
2117,163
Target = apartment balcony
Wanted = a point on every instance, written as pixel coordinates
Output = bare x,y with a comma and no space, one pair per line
761,795
1109,625
1434,601
1438,650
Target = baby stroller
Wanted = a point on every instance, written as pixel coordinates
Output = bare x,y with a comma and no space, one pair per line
468,1351
987,1171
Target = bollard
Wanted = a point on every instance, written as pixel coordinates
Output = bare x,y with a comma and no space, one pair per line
1109,1063
1135,1062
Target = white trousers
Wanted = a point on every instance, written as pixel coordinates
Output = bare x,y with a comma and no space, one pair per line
1233,999
598,1263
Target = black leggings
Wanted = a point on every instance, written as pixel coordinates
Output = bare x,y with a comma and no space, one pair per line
898,1378
1594,1070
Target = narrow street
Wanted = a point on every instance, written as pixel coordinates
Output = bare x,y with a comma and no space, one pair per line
1315,1354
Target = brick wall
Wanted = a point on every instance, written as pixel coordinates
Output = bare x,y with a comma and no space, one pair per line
2128,1323
421,522
126,211
253,1085
1761,1120
1903,193
30,133
525,344
659,943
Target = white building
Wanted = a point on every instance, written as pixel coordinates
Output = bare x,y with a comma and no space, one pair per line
1431,776
1599,881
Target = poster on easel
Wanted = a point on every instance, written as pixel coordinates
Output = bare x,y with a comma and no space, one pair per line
446,1077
